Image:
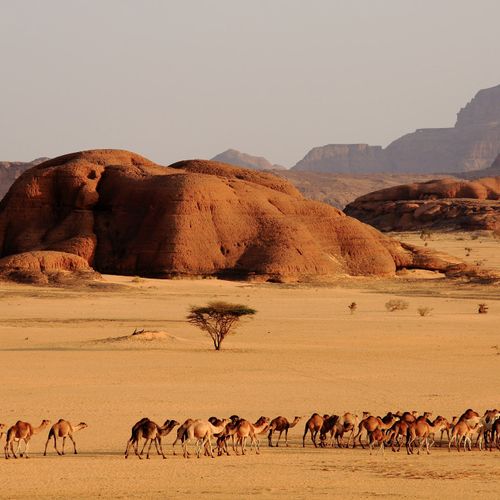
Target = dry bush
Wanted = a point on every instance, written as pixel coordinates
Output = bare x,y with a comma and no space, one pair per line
482,308
137,279
352,307
396,305
424,311
468,250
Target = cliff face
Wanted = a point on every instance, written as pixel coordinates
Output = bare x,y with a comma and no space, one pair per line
239,159
11,170
345,158
441,204
472,144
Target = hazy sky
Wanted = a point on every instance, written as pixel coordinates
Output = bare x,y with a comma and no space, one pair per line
174,79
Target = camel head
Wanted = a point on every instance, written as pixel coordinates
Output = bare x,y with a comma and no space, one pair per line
45,423
2,427
366,414
234,418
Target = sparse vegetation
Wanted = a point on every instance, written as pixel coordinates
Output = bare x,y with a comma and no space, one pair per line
468,250
396,305
352,307
137,279
482,308
424,311
218,319
425,235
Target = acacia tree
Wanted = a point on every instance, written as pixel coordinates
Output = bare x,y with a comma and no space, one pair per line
218,319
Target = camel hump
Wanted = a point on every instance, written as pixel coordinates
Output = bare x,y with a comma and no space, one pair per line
60,420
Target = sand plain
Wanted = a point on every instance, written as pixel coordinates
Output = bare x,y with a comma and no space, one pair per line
303,352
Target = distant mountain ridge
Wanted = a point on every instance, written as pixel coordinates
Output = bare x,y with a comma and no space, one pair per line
239,159
472,144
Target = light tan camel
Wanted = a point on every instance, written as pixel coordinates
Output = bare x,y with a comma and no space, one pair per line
314,426
349,423
281,424
22,431
421,429
202,431
63,429
152,433
371,423
246,429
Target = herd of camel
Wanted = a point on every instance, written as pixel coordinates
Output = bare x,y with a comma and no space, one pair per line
392,430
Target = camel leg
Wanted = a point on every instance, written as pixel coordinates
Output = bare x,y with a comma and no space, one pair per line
286,437
270,438
304,438
12,449
26,449
18,448
161,447
63,444
149,449
279,437
313,437
74,444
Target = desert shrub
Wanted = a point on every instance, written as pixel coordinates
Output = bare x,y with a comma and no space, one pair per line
352,307
424,311
137,279
396,305
425,235
218,319
482,309
468,250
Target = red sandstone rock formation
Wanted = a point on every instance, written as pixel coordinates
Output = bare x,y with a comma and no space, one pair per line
444,204
122,214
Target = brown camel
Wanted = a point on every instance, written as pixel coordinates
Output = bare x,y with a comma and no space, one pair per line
397,433
202,431
152,433
22,431
63,429
371,423
421,429
181,433
281,424
329,427
495,434
246,429
377,436
313,425
348,423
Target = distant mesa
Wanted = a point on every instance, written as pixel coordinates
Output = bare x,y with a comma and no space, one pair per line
440,204
239,159
119,213
472,144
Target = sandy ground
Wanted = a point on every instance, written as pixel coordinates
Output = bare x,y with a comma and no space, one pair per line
303,352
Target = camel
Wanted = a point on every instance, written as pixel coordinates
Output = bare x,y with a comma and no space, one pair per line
329,427
495,434
152,433
22,431
281,424
202,431
397,433
445,427
374,437
181,433
313,425
246,429
462,432
421,429
348,423
371,423
63,429
487,420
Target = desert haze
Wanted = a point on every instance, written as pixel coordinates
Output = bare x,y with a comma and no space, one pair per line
68,353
